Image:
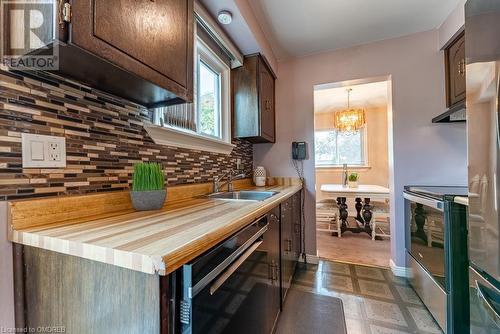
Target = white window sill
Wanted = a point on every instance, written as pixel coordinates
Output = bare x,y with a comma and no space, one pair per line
349,167
183,139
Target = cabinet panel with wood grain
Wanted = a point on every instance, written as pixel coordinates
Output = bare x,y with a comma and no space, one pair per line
455,71
254,101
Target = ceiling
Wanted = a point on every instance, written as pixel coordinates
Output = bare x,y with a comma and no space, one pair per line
238,30
297,28
370,95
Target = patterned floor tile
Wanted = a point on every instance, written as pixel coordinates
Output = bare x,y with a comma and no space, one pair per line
336,268
307,276
375,301
375,289
385,312
337,282
369,272
384,330
408,295
424,320
355,326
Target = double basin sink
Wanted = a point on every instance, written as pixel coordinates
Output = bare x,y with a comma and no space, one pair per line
244,195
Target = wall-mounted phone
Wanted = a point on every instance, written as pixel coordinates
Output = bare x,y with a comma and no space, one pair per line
299,150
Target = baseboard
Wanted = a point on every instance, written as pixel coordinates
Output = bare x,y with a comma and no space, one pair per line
397,270
312,259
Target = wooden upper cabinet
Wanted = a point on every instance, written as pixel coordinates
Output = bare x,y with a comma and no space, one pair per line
151,39
254,101
455,71
140,50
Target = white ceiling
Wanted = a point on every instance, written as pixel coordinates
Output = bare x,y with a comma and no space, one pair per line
238,30
300,27
370,95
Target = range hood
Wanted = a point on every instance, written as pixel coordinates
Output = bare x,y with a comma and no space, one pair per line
454,114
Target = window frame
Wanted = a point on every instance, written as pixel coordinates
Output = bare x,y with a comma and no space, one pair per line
206,56
185,138
364,150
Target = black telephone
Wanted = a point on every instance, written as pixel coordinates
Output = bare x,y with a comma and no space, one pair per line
299,150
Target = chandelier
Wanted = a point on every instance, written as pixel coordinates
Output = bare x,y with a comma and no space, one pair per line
350,119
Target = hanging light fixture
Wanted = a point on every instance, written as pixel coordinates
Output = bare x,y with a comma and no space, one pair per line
351,119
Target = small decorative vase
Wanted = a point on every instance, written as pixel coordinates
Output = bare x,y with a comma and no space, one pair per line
148,200
259,176
352,184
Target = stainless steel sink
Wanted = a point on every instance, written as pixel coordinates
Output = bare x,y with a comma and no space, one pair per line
244,195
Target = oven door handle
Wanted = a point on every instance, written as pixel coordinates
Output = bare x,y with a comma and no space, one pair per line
225,264
433,203
233,267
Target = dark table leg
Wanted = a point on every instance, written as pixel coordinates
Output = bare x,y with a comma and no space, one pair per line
358,207
343,213
367,216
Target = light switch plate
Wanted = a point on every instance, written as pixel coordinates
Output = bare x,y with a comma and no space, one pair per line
43,151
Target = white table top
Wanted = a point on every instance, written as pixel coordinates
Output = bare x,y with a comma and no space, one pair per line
363,190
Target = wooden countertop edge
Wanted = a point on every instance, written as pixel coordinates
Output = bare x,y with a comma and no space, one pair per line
153,264
176,259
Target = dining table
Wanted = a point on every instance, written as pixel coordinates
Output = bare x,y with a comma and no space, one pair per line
363,195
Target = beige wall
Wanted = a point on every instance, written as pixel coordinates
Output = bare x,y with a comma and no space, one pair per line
377,149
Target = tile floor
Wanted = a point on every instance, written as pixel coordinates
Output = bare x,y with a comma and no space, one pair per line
375,301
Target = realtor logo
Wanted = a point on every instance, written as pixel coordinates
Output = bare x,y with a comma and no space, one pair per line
28,29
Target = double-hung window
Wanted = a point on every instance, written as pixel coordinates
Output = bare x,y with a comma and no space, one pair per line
333,148
204,124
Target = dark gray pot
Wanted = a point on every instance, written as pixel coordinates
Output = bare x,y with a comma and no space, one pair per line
148,200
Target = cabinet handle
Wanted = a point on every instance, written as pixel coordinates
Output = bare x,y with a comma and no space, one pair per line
297,228
461,67
289,245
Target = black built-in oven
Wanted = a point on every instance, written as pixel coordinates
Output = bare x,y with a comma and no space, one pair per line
234,287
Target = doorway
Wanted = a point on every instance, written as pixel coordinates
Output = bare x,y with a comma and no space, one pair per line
352,171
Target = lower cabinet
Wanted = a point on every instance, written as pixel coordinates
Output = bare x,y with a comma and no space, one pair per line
273,263
289,240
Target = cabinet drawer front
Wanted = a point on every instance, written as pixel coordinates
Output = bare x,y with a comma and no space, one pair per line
152,39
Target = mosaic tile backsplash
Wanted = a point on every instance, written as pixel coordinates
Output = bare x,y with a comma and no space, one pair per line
104,138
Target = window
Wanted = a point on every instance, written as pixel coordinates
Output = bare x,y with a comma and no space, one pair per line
334,148
208,100
208,116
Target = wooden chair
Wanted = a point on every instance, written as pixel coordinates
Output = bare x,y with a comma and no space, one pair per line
327,212
380,223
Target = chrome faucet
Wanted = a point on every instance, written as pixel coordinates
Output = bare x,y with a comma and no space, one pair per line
344,175
217,185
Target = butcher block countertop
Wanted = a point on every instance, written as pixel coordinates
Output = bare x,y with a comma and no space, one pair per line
153,242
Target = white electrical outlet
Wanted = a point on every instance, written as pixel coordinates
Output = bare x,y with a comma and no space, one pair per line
43,151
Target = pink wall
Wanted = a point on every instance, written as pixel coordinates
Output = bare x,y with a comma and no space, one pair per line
423,152
452,24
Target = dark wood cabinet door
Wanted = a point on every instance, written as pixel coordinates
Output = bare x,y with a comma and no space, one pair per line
253,101
152,39
455,59
272,243
287,257
267,117
297,226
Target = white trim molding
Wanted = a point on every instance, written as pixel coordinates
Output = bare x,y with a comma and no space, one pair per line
397,270
178,138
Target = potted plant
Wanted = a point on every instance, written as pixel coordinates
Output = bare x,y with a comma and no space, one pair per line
353,180
148,187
